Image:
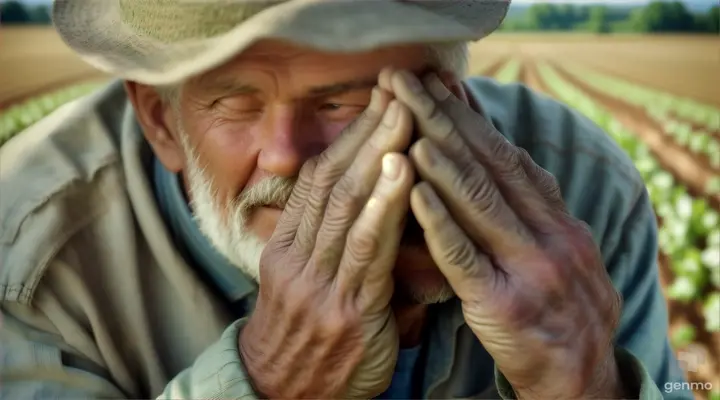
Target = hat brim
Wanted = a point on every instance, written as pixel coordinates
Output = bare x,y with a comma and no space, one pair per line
94,29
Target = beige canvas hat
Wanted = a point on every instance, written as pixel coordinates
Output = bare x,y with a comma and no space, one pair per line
165,41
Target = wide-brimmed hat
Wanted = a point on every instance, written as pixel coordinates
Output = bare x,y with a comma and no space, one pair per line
164,41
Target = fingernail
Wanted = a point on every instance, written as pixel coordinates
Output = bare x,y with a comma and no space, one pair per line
390,166
391,114
437,88
412,82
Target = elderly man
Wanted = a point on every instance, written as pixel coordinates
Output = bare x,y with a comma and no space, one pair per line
310,199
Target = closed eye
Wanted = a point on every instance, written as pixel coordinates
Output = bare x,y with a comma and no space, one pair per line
339,111
330,106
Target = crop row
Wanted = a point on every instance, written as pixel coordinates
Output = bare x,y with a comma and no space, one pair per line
690,124
657,103
510,72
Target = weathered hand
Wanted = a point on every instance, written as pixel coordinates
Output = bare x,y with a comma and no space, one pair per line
322,326
530,277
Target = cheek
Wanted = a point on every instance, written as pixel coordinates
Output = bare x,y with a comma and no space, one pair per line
332,129
230,153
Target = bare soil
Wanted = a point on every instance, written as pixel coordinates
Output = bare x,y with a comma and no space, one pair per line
683,65
34,60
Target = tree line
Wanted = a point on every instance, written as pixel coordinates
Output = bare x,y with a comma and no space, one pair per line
14,12
655,17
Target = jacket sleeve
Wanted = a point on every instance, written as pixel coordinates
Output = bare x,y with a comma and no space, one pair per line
37,364
647,364
217,373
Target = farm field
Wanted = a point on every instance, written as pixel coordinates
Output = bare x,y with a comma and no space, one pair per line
34,61
657,97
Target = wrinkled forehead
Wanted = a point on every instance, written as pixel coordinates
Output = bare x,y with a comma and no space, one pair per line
307,66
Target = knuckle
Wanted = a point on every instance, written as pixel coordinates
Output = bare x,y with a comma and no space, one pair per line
514,164
347,187
346,197
362,245
523,156
304,240
472,184
364,123
338,321
327,170
437,119
459,253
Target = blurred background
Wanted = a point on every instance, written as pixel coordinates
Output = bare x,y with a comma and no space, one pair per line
648,72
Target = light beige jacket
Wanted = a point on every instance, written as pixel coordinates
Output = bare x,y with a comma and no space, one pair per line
96,300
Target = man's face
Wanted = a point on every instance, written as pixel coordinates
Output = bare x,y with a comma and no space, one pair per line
247,127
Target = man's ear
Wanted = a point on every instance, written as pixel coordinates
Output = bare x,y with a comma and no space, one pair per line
157,120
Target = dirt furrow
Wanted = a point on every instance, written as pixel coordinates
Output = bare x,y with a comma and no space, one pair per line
688,168
532,79
495,67
695,126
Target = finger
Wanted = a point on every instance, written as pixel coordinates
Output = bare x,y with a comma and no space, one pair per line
473,199
469,272
287,226
331,164
492,147
385,78
352,190
543,181
453,125
373,241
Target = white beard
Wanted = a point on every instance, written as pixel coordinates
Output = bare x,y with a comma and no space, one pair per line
225,226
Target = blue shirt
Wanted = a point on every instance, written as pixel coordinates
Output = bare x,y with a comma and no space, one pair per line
402,386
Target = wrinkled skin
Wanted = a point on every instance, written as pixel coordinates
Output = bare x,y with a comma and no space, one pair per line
530,278
327,270
533,286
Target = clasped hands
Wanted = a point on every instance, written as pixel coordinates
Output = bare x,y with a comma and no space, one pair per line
531,281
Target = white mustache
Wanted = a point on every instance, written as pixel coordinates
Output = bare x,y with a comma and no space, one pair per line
275,191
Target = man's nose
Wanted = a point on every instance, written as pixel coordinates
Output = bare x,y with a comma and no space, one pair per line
287,142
